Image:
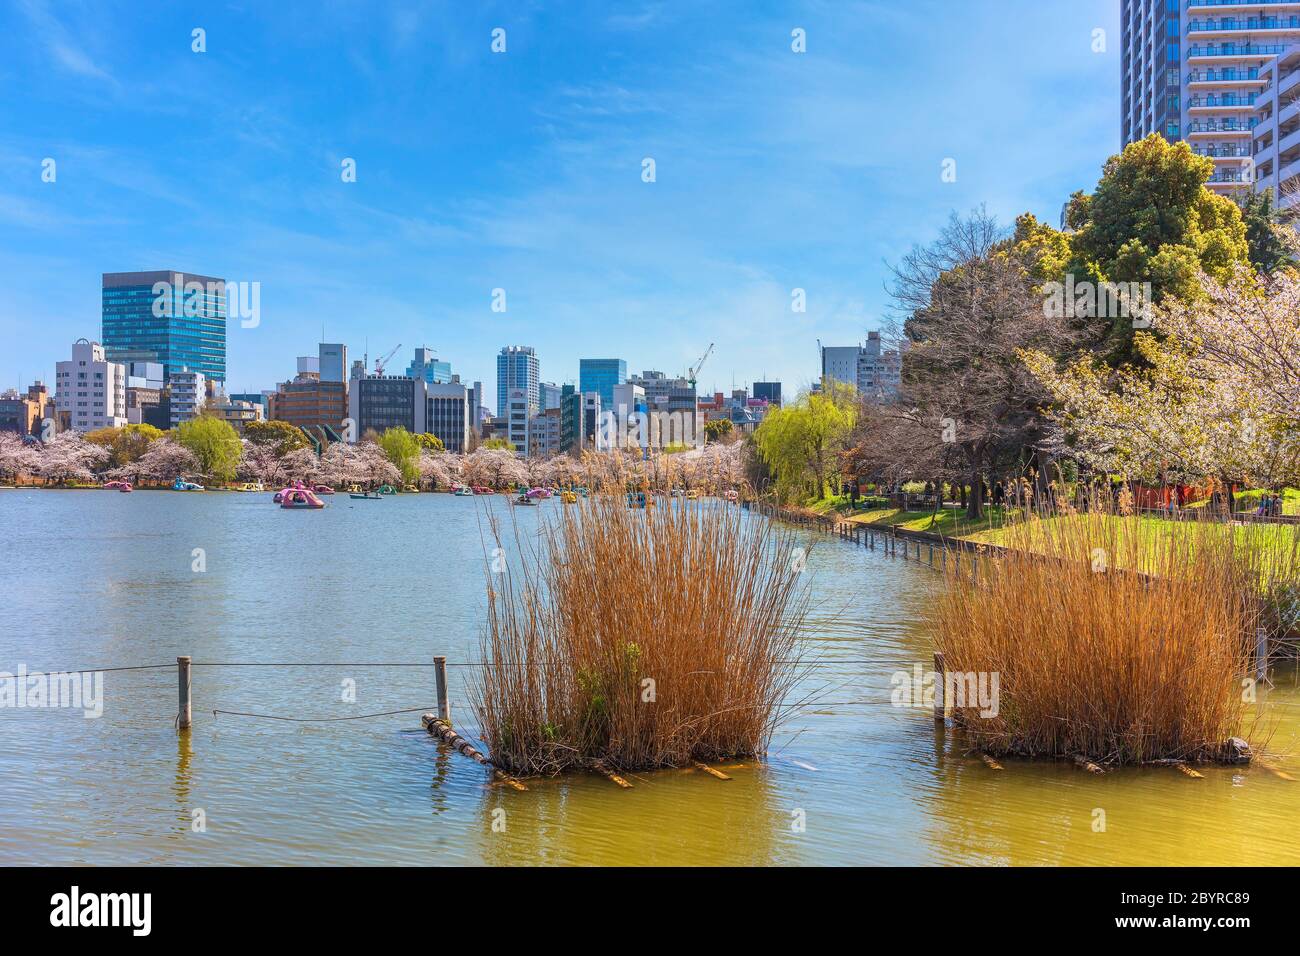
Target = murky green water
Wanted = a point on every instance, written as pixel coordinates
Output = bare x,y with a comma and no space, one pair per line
103,579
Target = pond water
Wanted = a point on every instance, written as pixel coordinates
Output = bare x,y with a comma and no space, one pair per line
100,579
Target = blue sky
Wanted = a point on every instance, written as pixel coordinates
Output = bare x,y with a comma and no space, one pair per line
522,170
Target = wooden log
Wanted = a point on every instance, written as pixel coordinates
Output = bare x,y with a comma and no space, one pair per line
990,762
184,714
1086,764
601,768
440,675
442,730
700,765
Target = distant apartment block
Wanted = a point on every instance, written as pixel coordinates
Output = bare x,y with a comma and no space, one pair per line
187,395
873,371
517,370
24,412
177,319
545,432
90,391
518,415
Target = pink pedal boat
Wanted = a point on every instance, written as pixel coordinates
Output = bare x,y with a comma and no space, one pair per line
297,495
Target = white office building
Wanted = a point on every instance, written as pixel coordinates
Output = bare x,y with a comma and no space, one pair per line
90,392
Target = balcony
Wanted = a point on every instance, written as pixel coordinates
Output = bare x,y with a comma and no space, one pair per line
1222,77
1233,50
1224,128
1238,24
1223,152
1198,4
1229,102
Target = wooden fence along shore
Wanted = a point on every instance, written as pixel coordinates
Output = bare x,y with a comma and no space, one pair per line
926,548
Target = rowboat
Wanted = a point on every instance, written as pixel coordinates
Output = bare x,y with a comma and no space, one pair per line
366,496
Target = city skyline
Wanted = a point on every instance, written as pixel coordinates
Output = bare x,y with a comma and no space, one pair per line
797,174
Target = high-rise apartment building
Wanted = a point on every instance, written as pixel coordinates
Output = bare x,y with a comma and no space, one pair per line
177,319
600,376
517,369
89,390
1221,75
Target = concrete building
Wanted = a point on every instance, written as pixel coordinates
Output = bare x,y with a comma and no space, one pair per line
187,394
518,417
450,414
517,369
872,370
24,412
90,391
316,400
545,432
237,412
378,402
332,359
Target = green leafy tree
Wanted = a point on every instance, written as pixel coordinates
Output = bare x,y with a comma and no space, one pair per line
497,444
214,442
716,428
280,435
800,442
402,449
430,442
1271,249
125,444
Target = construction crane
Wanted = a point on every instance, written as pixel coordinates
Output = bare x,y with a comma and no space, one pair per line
693,372
381,362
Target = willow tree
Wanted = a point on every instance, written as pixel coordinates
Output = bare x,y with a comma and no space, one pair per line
214,442
801,442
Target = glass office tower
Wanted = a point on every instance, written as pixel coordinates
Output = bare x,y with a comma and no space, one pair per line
601,375
177,319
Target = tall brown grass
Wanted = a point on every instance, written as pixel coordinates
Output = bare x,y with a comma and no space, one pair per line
639,639
1114,638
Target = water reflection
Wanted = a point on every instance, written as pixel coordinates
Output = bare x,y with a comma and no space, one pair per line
401,580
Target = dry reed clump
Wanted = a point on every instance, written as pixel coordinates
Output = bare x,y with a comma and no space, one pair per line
1097,659
639,639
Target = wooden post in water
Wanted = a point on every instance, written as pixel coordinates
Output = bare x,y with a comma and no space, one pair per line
1261,654
440,674
184,714
939,679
